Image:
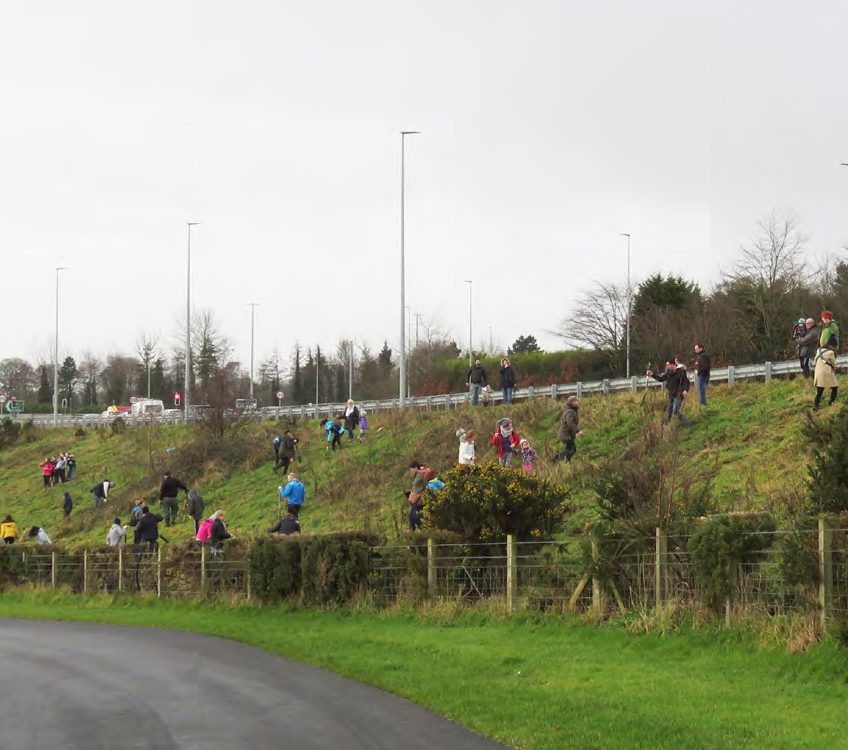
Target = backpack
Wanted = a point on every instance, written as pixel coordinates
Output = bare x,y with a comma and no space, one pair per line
429,474
204,533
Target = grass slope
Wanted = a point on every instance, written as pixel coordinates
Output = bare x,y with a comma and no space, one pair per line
750,435
539,685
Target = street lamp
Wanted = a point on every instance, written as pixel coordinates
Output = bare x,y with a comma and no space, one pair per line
402,368
470,329
56,353
186,397
626,234
252,306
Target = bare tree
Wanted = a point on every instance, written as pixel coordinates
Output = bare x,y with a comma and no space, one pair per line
599,321
766,281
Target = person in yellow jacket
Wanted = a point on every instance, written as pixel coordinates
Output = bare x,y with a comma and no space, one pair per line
8,530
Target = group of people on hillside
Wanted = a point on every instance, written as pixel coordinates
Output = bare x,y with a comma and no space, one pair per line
818,342
58,469
478,382
352,419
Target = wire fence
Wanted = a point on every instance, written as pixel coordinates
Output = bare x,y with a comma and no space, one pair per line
787,571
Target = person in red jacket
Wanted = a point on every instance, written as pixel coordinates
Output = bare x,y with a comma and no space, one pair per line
506,440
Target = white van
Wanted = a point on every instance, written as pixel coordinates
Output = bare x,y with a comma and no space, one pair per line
147,407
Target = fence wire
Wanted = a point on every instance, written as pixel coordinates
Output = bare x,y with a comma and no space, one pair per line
568,575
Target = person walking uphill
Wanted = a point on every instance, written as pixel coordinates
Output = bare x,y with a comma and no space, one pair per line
194,508
569,429
100,493
288,449
421,475
294,493
67,504
507,374
351,418
147,529
168,491
807,345
507,441
825,375
476,379
677,388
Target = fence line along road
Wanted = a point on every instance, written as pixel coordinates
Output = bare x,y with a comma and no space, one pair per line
728,375
542,575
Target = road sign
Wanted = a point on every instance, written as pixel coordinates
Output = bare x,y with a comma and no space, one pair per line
2,398
280,395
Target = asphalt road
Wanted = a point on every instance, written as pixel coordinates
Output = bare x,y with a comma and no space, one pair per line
65,686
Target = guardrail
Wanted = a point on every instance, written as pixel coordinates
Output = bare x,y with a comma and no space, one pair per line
729,375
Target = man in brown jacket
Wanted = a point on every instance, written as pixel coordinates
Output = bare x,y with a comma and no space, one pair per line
569,429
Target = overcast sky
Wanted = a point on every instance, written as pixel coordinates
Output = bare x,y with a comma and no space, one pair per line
548,128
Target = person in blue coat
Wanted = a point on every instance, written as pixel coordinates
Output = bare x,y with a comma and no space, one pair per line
294,493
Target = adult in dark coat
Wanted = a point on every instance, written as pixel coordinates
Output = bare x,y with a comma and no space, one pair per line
147,529
569,429
507,374
702,372
287,525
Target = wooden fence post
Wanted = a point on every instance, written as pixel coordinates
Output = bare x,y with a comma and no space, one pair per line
120,568
85,571
598,598
511,579
431,570
203,568
825,569
159,571
52,570
768,372
660,561
731,376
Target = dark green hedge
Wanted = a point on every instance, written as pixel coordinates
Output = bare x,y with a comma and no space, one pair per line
330,569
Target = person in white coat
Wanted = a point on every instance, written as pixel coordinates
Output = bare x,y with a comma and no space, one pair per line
40,535
467,453
116,534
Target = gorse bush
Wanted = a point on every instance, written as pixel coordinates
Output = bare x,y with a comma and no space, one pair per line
485,502
828,470
720,545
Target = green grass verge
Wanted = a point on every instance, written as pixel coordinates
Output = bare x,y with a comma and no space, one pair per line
531,683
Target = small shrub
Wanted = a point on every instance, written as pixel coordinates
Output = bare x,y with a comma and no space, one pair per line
119,426
485,502
720,545
79,432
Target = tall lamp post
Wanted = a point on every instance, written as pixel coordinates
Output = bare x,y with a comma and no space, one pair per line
402,369
56,354
253,306
470,329
186,397
629,292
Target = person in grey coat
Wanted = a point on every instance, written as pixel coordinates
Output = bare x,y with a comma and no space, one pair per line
807,346
194,508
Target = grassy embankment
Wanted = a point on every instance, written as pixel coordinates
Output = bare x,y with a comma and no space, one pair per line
751,436
533,684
